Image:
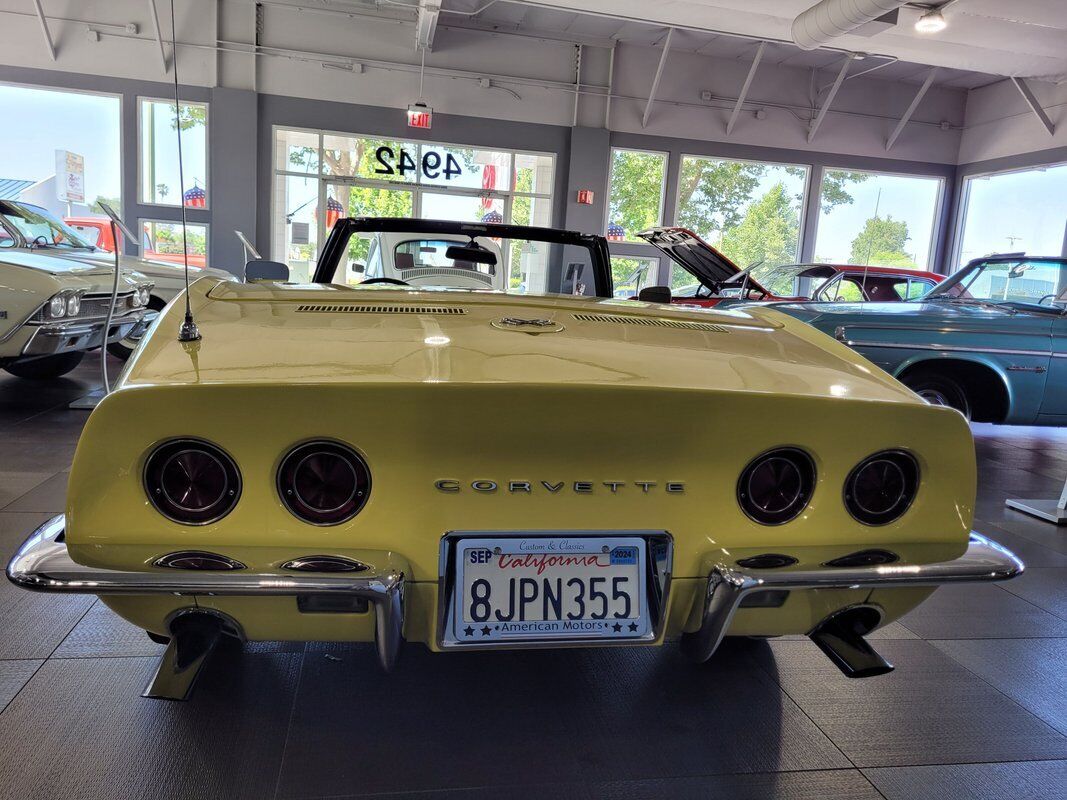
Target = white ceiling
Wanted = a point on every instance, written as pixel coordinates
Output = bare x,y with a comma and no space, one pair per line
1026,38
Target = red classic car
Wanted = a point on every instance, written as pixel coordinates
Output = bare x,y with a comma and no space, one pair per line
97,230
718,278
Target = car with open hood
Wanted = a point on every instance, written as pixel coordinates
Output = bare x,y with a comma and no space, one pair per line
446,466
990,341
717,279
55,300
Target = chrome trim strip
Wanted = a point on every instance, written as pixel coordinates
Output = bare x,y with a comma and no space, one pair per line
935,329
43,564
947,348
658,569
984,560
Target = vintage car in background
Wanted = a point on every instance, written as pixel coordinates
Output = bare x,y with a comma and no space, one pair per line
166,270
444,465
54,299
97,231
990,341
718,279
843,283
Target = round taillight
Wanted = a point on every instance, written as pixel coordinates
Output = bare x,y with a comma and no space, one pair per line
324,482
882,487
192,481
777,485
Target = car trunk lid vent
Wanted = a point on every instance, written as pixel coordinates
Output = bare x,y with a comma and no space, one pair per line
344,308
657,322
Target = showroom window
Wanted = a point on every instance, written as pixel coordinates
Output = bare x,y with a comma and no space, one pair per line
1007,212
162,241
635,202
631,274
749,210
352,175
45,157
158,144
874,219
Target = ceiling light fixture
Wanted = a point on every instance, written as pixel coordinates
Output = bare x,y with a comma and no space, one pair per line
933,21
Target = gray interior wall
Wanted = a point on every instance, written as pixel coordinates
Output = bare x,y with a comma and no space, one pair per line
241,127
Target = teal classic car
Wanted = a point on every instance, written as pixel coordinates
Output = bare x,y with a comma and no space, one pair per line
990,341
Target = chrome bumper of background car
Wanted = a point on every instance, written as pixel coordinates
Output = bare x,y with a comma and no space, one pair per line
61,337
984,560
43,564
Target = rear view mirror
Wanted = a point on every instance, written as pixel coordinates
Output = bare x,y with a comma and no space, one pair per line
472,254
263,270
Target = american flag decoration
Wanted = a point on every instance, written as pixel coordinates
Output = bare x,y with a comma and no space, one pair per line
492,217
616,233
195,198
488,184
334,211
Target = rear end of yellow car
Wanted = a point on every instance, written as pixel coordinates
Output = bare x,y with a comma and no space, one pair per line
537,461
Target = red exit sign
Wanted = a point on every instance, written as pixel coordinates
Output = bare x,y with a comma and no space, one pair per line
420,116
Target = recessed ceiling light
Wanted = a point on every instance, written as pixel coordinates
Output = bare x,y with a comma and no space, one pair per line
932,21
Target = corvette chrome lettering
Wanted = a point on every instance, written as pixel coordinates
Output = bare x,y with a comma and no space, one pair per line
485,486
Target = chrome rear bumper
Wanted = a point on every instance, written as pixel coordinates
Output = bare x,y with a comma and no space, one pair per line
984,560
43,564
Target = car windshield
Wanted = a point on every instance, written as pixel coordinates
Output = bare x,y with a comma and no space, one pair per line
1018,280
440,255
39,228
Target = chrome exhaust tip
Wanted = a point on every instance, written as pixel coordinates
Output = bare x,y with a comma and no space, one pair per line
840,636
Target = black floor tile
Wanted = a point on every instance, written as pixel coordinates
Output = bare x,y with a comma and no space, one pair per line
836,784
1030,671
1045,588
1032,553
13,676
14,485
1033,780
930,710
102,632
79,729
32,624
985,611
508,717
49,495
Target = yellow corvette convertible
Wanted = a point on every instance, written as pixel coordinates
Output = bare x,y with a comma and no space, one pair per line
397,459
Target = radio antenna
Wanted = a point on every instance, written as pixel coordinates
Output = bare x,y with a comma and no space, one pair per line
188,332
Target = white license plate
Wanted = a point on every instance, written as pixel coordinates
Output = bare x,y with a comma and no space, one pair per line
554,588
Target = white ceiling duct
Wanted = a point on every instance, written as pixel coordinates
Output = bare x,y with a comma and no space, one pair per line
829,19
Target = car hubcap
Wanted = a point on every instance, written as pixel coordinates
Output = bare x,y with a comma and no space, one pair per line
934,397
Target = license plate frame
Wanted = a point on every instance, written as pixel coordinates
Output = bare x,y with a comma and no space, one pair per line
655,557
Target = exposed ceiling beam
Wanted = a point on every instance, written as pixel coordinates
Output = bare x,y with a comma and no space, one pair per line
1034,103
426,24
659,74
817,122
44,29
919,95
745,87
159,35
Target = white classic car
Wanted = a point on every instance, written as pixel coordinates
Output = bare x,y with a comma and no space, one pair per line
25,227
52,310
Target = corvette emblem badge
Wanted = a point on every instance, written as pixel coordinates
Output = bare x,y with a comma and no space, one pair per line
523,325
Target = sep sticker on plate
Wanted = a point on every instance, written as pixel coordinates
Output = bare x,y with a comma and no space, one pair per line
549,588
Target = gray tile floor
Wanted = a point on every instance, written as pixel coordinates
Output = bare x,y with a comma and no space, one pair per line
976,709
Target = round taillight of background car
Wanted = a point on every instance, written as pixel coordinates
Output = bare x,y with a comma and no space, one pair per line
323,482
777,485
882,487
192,481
